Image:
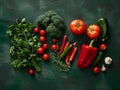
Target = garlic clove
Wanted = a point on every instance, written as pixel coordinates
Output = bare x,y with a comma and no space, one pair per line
103,69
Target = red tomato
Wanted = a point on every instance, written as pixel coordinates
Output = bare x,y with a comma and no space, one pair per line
42,32
77,27
31,71
54,40
45,46
54,47
45,57
40,50
42,39
36,30
96,70
103,46
93,31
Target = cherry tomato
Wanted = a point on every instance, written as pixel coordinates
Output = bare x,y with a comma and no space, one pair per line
45,57
103,46
40,50
45,46
93,31
42,32
54,47
54,40
31,71
77,27
96,70
42,39
36,30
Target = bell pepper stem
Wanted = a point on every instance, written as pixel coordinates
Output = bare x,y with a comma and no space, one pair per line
91,43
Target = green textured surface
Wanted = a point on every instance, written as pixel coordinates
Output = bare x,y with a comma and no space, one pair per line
51,78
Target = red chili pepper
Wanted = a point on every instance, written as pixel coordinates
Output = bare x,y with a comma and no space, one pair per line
65,38
87,55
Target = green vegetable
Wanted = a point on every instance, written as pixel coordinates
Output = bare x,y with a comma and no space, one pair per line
98,57
52,22
102,22
66,51
53,30
59,63
24,45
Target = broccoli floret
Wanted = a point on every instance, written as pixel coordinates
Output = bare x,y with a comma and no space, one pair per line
50,13
56,17
53,30
40,19
61,26
46,21
58,22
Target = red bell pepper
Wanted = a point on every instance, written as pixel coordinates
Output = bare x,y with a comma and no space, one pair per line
87,55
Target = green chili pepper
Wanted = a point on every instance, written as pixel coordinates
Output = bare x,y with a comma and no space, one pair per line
102,22
98,58
66,51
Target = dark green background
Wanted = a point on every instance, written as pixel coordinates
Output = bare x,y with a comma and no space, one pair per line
51,78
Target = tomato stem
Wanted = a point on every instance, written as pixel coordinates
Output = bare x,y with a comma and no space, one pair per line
78,25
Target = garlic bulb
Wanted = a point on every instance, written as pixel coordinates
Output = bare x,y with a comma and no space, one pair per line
108,60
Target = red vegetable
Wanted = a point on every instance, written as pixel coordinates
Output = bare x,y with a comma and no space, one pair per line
73,54
93,31
77,27
67,60
66,45
45,46
42,39
31,71
65,38
40,50
54,40
103,46
42,32
45,57
96,70
54,47
74,44
87,55
36,30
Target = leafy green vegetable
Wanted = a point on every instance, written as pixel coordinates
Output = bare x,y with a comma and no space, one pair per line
52,22
24,45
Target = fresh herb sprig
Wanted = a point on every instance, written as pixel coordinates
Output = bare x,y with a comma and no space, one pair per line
58,62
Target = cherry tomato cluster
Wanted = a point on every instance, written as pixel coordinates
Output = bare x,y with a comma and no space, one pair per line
44,46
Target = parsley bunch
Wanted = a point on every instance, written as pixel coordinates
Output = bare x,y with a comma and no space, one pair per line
24,45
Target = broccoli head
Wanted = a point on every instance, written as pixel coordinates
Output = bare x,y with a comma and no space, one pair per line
53,23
